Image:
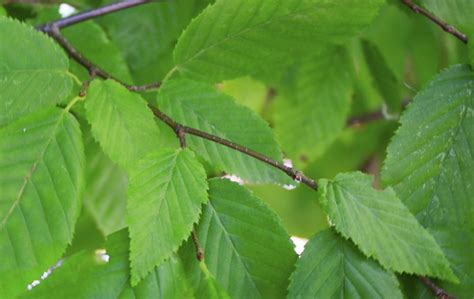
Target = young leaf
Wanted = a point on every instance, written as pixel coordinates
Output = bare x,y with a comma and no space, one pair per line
382,226
121,122
87,275
430,163
166,191
332,267
41,179
235,38
313,109
202,107
245,246
33,71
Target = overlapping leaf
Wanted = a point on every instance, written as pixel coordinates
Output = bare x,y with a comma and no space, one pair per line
331,267
383,78
121,122
105,196
97,47
88,274
41,180
430,164
234,38
200,106
245,246
33,71
382,226
166,191
150,35
314,107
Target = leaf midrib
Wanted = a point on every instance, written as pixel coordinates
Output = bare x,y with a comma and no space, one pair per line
234,249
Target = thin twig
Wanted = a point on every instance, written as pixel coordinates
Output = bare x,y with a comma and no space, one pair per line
93,13
437,291
53,29
197,246
445,26
294,174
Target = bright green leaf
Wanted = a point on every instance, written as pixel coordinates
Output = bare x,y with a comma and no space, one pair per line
166,191
121,122
313,109
430,163
33,71
202,107
245,246
332,267
235,38
41,180
382,226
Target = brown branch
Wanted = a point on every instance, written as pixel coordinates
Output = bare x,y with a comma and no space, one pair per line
53,30
437,291
445,26
294,174
93,13
197,246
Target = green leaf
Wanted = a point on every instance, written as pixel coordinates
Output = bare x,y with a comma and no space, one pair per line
148,39
202,107
166,191
97,47
235,38
105,196
246,248
121,122
383,78
313,109
88,275
33,71
209,288
430,163
382,226
41,178
332,267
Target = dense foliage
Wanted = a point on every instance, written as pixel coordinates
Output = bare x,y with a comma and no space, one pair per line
349,123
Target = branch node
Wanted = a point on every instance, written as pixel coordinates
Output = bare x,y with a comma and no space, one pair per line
197,246
181,134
